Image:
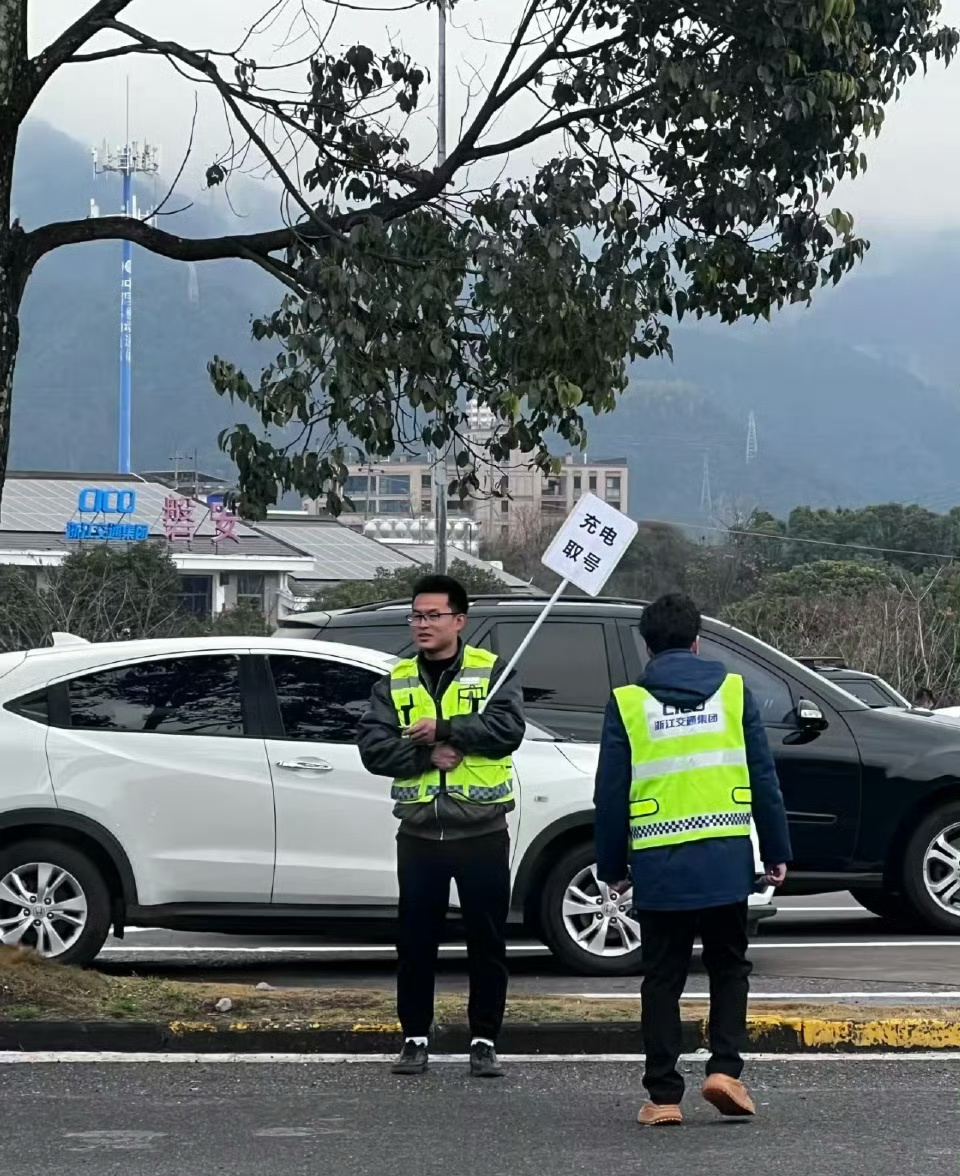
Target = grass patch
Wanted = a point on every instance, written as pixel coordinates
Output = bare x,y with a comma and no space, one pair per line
32,988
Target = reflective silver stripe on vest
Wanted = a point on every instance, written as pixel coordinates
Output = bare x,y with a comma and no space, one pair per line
731,758
471,675
646,831
404,683
412,791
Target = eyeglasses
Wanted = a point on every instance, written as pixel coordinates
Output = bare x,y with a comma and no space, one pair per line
430,618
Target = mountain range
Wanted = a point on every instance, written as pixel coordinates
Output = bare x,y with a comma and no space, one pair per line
855,400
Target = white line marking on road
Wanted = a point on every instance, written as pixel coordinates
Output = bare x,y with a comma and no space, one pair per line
516,949
807,910
915,997
14,1057
294,949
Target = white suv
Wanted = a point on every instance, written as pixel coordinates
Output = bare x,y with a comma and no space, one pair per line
214,784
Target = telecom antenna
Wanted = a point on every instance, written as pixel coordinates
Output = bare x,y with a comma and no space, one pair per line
751,438
131,159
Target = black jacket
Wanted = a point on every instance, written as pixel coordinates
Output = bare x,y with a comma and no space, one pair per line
495,733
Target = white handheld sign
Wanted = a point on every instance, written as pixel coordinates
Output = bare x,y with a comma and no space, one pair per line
585,551
590,544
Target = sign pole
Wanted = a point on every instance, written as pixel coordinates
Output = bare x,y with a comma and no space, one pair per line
531,633
585,553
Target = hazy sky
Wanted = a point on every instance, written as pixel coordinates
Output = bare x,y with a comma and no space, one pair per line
913,179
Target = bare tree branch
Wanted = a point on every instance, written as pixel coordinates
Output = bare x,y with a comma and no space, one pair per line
45,64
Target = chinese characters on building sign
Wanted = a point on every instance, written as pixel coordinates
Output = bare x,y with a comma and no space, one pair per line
590,544
225,523
100,501
126,532
178,518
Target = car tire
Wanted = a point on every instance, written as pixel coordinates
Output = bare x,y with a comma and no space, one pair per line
892,907
560,928
81,895
931,871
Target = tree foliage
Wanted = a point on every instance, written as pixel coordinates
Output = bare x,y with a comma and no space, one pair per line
686,161
886,612
97,593
700,156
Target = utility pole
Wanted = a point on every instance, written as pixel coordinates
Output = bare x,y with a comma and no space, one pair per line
440,462
130,159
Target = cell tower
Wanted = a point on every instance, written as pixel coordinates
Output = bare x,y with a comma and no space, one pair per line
131,159
706,496
751,438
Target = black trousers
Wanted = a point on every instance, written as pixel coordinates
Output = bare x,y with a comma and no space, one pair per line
480,866
667,949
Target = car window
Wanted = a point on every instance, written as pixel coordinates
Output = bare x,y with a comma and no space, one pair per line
171,696
771,693
34,706
386,638
565,664
869,692
395,639
320,699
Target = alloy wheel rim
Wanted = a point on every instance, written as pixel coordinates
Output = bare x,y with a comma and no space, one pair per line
598,919
42,906
941,869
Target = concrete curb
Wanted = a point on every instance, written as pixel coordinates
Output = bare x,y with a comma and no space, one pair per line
766,1034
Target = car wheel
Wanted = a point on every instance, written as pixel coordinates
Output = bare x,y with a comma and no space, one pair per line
54,900
586,927
892,907
931,879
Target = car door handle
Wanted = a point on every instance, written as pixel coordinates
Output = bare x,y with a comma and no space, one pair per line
305,765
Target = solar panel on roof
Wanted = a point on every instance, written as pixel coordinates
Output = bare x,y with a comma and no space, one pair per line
338,552
47,504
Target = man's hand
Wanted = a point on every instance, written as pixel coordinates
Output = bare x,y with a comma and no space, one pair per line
445,758
620,888
422,731
775,875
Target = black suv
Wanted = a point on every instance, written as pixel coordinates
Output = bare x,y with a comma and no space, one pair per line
871,794
869,688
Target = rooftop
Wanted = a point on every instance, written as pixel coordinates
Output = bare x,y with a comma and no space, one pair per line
338,552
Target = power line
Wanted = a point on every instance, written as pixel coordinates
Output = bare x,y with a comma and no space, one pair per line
798,539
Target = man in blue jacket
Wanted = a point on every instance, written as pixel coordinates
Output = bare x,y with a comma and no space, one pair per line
684,765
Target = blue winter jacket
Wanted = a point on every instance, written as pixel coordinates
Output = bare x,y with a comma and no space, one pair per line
696,874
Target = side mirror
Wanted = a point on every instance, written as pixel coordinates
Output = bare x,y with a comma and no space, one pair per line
810,716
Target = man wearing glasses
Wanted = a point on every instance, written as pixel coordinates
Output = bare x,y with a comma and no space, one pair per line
452,790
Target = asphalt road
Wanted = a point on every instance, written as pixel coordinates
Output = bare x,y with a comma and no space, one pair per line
825,945
835,1118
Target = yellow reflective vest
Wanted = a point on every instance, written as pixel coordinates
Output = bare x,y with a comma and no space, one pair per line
690,779
476,778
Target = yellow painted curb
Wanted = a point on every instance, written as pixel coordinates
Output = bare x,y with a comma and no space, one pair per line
883,1033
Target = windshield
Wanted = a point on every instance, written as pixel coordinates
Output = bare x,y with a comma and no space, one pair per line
874,694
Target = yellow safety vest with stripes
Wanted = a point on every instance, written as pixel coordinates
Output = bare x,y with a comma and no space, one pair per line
690,779
476,778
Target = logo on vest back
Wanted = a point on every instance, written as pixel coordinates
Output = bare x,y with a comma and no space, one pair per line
665,720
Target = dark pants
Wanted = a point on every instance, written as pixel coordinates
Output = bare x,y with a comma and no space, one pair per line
667,948
481,868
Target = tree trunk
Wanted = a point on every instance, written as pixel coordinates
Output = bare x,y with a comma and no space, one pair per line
9,343
13,267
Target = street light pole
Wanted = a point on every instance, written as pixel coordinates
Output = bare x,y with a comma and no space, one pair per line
440,464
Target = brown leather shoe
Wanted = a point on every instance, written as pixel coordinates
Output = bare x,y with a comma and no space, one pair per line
728,1095
659,1115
